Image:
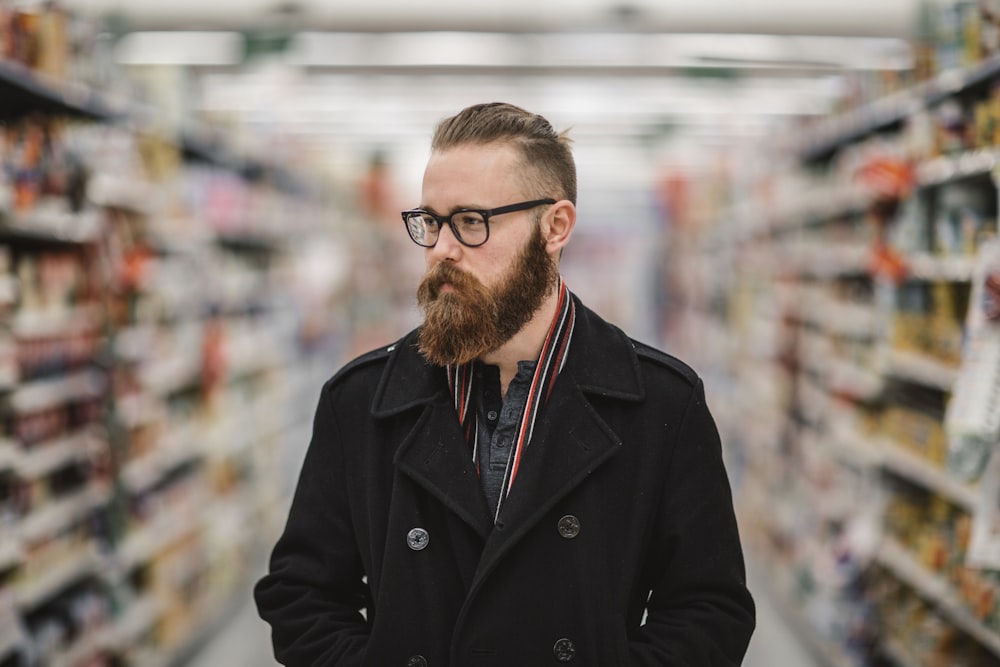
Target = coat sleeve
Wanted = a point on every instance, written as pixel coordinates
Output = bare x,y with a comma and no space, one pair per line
313,592
700,612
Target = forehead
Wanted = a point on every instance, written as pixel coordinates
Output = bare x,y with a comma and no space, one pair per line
472,173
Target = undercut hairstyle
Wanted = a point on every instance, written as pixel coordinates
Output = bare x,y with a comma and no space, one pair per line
550,168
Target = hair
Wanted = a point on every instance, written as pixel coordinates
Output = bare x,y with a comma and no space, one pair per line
545,152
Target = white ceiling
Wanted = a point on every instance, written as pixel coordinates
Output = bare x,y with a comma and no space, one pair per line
829,17
367,74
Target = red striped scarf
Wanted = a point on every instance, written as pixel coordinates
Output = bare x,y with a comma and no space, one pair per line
550,363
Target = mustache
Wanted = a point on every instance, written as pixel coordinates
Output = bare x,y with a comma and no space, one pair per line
445,274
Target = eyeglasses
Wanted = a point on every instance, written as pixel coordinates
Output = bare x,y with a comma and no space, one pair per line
470,226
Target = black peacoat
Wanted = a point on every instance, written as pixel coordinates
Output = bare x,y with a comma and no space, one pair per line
617,545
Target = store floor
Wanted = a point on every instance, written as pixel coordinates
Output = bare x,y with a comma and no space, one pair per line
244,641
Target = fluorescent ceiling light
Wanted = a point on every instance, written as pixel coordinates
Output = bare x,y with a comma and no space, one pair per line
181,48
596,50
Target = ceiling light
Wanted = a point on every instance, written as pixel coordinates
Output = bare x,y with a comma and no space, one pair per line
181,48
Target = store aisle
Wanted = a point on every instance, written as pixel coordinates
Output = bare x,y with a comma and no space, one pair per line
774,642
244,641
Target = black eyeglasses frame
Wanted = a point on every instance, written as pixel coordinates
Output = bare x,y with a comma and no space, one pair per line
485,213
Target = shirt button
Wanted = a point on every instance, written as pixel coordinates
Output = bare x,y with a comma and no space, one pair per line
416,661
492,415
569,526
564,650
417,539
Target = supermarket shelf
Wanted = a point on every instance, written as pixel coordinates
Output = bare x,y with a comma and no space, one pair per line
49,227
926,474
884,114
9,290
889,112
854,320
50,392
921,369
804,234
10,638
213,151
84,562
132,194
26,91
170,453
46,457
897,653
210,151
157,354
58,514
11,553
139,409
937,590
849,378
250,241
949,168
57,321
882,452
145,542
138,618
172,374
10,454
925,266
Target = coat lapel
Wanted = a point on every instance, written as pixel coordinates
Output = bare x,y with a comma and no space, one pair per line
569,442
434,452
571,439
436,456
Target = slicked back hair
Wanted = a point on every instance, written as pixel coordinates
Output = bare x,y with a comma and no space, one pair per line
550,170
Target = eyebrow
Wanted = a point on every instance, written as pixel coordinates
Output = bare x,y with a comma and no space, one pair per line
456,209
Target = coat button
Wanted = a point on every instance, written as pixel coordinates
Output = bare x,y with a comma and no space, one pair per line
416,661
417,539
564,650
569,526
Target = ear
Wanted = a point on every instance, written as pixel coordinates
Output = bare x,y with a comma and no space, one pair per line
558,226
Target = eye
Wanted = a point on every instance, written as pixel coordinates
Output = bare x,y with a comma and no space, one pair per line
427,220
468,219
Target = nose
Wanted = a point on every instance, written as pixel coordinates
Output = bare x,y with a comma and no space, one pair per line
447,247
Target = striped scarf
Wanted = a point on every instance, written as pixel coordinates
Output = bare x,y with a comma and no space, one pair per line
550,363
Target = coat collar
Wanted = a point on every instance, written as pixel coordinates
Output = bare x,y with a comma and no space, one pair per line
601,361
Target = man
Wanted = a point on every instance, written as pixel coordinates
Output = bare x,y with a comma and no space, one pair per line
515,483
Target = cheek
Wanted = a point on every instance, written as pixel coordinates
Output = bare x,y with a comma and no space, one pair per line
490,272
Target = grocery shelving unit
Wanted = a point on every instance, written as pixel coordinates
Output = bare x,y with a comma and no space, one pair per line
146,364
826,300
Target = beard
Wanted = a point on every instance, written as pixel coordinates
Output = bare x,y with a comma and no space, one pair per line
472,319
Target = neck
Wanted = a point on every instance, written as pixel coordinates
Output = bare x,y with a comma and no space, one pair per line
526,344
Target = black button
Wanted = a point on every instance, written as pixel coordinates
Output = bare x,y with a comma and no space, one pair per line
417,539
492,415
564,650
569,526
416,661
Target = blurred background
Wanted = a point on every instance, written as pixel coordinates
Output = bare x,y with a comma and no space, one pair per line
199,224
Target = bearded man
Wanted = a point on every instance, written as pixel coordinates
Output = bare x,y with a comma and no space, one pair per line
516,482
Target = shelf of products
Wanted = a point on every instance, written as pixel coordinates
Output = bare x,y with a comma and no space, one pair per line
146,338
840,314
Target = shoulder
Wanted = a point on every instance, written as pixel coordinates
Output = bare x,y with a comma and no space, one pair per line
362,366
615,363
651,356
